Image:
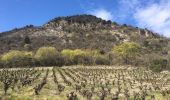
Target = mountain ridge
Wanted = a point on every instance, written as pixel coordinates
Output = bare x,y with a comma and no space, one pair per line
74,32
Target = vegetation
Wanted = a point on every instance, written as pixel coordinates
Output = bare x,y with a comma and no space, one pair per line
46,56
158,65
84,83
49,56
84,57
78,32
84,45
27,40
122,54
82,19
17,58
128,51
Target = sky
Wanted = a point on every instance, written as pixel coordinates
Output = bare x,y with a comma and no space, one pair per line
151,14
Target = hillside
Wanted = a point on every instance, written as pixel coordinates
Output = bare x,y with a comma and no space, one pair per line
77,32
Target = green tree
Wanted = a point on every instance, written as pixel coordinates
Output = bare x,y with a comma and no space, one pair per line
17,58
46,56
71,56
127,51
72,53
78,56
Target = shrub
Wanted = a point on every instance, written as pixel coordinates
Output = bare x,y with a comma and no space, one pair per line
1,64
27,47
158,65
17,58
71,56
67,60
102,60
72,53
68,56
83,59
60,61
46,56
27,40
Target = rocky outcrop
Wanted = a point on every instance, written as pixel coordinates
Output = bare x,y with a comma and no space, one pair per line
72,32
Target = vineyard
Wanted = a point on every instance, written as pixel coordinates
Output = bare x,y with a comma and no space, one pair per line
84,83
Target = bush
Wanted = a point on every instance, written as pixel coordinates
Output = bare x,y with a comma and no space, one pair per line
68,56
27,47
72,56
102,60
1,64
46,56
17,58
83,59
158,65
60,61
27,40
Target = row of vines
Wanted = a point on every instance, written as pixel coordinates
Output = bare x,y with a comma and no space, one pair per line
84,83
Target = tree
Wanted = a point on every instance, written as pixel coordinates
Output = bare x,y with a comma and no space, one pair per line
127,51
78,56
71,56
27,40
17,58
46,56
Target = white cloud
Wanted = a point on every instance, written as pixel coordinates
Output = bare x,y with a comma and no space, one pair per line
127,8
129,4
102,13
132,5
151,14
155,17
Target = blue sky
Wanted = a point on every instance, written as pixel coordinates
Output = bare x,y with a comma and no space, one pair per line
151,14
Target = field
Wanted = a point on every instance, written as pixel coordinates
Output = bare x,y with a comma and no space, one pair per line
84,83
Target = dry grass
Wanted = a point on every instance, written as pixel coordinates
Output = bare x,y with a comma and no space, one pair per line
100,74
